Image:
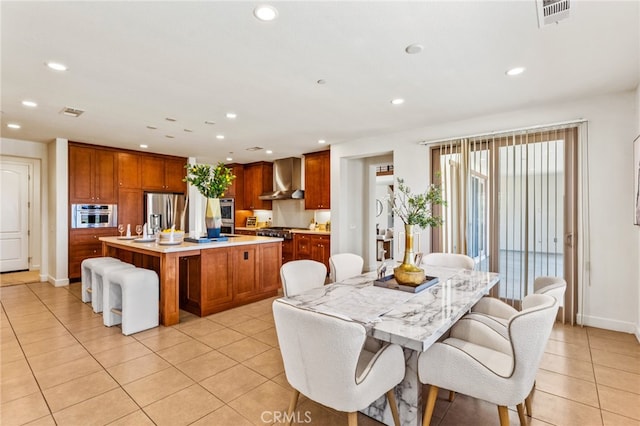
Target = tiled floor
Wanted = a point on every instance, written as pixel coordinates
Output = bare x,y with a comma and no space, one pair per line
60,365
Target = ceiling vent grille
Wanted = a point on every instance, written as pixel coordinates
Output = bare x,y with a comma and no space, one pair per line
71,112
255,148
552,11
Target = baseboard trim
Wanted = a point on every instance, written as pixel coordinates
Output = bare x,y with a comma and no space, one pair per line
58,283
608,324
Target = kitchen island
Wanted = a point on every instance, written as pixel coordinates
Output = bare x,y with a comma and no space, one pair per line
208,277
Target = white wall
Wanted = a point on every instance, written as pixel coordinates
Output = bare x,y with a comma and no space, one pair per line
58,212
35,154
638,227
612,300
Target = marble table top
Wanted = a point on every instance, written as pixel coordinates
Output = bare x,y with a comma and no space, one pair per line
412,320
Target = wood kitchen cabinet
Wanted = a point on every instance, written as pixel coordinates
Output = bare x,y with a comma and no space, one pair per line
163,174
246,232
129,170
84,244
313,247
92,175
131,207
317,180
258,179
236,190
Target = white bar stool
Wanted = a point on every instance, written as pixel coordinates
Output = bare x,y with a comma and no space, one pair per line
99,281
86,268
132,299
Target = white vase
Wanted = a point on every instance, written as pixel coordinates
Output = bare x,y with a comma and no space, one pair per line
213,217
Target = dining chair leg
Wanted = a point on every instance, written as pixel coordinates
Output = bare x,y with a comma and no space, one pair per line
527,402
503,412
431,403
292,405
521,416
353,418
394,407
452,396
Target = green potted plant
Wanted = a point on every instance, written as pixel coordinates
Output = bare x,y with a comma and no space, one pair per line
414,210
211,182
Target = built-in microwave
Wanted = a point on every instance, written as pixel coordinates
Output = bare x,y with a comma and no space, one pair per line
94,215
227,209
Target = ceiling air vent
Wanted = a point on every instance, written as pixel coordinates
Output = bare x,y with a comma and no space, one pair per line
71,112
255,148
552,11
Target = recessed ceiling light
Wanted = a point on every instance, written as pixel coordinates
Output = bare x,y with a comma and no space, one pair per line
397,101
219,136
152,127
188,130
29,104
515,71
412,49
269,151
170,119
144,146
56,66
265,12
13,126
169,136
231,115
229,159
322,141
321,81
209,122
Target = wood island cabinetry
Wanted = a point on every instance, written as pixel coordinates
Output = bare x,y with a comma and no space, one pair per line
317,180
84,244
258,179
92,175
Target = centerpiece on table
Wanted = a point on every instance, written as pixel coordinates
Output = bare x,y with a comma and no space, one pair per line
212,182
414,210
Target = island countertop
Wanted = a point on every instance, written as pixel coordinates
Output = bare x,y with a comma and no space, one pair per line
236,240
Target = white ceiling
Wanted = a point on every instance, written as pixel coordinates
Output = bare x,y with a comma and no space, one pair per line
132,64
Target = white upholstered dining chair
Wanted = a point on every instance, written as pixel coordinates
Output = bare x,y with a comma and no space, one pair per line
480,362
299,276
448,260
344,265
324,359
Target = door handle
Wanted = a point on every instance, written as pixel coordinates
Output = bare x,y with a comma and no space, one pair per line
568,239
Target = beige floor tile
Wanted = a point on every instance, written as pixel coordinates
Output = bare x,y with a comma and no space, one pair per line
567,387
47,345
620,402
251,327
33,326
55,330
233,382
158,385
614,345
57,357
200,327
68,371
568,350
614,360
310,412
609,334
17,381
266,398
78,325
137,418
10,352
206,365
268,318
567,333
184,351
113,340
612,419
618,379
229,318
183,407
465,410
43,421
281,379
96,333
244,349
152,332
99,410
137,368
221,338
268,364
568,366
223,416
268,336
165,340
121,354
28,312
23,410
560,411
78,390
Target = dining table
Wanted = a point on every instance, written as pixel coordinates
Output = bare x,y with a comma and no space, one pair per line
414,321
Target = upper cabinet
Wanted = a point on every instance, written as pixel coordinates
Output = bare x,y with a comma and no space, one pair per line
317,180
236,190
163,174
92,175
258,179
129,170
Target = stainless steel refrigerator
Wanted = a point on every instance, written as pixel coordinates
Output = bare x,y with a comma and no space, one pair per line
161,211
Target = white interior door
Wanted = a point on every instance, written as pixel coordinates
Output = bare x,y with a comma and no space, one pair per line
14,216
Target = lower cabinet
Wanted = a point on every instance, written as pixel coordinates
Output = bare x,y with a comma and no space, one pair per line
312,246
220,279
84,244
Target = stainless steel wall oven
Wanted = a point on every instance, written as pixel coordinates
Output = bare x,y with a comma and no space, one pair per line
94,215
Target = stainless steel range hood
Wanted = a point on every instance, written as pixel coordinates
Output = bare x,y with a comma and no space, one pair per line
287,180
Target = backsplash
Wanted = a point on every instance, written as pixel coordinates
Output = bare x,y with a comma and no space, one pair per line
289,213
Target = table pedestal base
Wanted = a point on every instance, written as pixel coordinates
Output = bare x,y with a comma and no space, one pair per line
408,396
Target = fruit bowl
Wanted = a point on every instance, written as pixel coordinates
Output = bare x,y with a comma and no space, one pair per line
165,237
